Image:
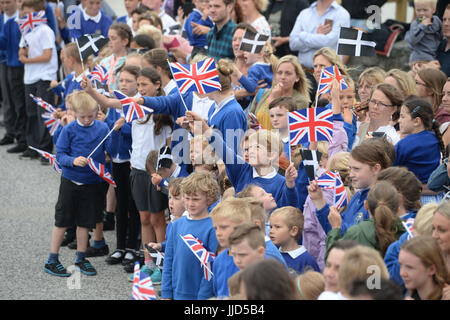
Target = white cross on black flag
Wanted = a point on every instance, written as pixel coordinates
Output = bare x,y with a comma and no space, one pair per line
90,44
353,42
253,42
311,160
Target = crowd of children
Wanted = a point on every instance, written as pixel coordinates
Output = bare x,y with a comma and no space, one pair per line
217,170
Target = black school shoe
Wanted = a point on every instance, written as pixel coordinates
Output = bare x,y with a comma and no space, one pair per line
116,257
86,268
97,252
56,269
6,140
31,154
18,148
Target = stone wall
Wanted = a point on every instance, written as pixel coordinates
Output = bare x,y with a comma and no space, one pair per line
399,59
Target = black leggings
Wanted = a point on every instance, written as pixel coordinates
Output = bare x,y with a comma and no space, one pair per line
127,216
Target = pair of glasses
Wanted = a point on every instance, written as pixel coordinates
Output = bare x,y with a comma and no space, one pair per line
379,103
139,51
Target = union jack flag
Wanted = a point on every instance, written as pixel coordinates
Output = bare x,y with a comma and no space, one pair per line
100,169
32,20
40,102
327,76
253,121
205,256
201,77
142,285
99,73
51,122
332,181
50,157
310,124
131,109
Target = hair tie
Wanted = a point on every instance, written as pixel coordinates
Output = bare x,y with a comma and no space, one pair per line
300,288
416,109
433,121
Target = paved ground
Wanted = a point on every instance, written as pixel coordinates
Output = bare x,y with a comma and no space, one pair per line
28,193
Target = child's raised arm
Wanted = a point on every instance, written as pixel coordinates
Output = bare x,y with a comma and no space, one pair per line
103,101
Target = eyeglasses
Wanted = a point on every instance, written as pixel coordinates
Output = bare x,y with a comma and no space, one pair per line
379,103
368,88
139,51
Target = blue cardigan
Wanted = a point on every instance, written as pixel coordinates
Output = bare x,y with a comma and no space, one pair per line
122,141
257,72
420,153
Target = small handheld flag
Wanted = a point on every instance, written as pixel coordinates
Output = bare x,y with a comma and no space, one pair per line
51,122
32,20
311,160
99,73
310,124
157,256
326,78
253,122
142,285
131,109
205,256
50,157
201,77
332,181
253,42
353,42
409,226
100,169
40,102
90,44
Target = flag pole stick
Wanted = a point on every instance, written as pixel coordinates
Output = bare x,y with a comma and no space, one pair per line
109,133
289,127
334,198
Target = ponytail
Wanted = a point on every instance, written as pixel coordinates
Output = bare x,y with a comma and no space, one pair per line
269,57
382,201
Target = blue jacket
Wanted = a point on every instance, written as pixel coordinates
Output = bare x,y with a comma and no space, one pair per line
257,72
9,42
182,276
196,40
122,141
76,140
420,153
354,214
391,259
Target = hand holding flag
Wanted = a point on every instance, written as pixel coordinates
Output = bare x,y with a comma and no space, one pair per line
51,122
332,181
131,109
205,256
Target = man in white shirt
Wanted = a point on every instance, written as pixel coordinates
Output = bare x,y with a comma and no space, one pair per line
316,27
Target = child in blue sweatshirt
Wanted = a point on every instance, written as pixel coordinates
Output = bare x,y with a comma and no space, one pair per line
199,16
82,192
183,275
420,151
366,161
261,68
90,20
286,227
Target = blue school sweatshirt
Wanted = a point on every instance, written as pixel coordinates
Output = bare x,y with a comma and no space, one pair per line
90,27
301,184
258,71
182,276
196,40
224,268
76,140
391,259
351,130
420,153
70,84
121,141
354,214
9,42
241,173
302,260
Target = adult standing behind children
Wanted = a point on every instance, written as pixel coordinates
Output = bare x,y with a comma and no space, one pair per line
168,23
220,36
38,53
251,11
316,27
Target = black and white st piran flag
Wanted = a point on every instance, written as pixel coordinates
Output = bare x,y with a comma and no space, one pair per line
353,42
311,159
90,44
253,42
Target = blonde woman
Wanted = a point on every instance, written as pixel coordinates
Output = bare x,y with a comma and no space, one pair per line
289,80
251,12
429,85
402,81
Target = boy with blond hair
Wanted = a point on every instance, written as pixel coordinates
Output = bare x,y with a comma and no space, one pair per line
183,276
425,33
82,192
247,245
